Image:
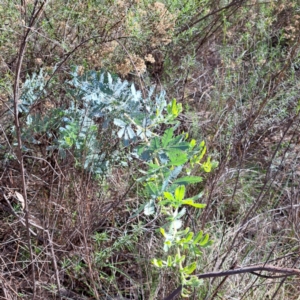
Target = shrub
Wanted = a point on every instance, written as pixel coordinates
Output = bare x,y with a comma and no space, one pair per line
107,123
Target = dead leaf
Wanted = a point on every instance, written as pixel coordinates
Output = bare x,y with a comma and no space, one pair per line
21,199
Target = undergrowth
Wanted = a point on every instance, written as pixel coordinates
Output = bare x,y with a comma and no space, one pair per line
159,142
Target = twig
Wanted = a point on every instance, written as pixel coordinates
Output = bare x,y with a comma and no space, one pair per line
54,263
44,160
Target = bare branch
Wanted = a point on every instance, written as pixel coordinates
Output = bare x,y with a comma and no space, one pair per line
252,269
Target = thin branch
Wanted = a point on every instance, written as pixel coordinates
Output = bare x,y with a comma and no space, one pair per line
44,160
268,268
252,269
16,95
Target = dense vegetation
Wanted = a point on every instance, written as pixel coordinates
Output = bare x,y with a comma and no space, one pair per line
147,146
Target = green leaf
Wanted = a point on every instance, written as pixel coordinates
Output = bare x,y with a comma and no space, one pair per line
173,175
198,237
189,237
202,144
167,245
169,196
174,108
209,243
179,193
69,141
196,251
183,146
179,259
203,150
192,203
157,262
190,268
169,261
214,164
192,144
188,180
198,196
207,166
177,157
155,144
162,231
185,293
194,281
152,189
167,137
180,242
154,166
204,241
